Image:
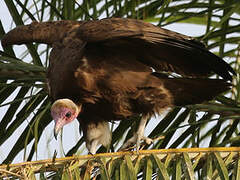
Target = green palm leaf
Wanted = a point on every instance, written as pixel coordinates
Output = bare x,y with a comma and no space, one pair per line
184,163
23,78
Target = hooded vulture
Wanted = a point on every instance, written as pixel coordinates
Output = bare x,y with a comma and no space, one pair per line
113,69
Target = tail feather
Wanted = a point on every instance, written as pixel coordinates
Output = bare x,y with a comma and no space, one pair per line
42,32
187,91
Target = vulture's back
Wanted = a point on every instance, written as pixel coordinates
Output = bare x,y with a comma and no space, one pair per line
109,64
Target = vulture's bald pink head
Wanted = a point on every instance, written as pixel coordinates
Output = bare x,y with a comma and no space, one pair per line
63,111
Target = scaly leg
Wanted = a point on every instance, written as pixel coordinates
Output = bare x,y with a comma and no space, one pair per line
93,146
138,136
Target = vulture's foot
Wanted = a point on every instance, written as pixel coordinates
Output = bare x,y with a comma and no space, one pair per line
138,136
147,140
135,140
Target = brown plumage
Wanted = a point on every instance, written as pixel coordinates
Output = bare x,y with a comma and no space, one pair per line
105,68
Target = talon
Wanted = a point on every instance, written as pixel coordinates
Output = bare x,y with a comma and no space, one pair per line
135,140
147,140
89,153
138,136
129,142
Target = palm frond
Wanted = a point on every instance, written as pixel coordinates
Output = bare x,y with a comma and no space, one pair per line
190,163
217,124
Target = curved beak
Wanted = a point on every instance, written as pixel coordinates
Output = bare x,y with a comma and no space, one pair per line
56,133
57,127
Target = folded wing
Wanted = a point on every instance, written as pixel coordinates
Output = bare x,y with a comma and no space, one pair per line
159,48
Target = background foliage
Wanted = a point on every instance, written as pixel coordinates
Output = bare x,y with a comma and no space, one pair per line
177,164
23,77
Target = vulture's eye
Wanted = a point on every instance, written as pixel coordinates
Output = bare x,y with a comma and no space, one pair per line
68,114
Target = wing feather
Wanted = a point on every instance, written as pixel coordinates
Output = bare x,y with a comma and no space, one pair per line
159,48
